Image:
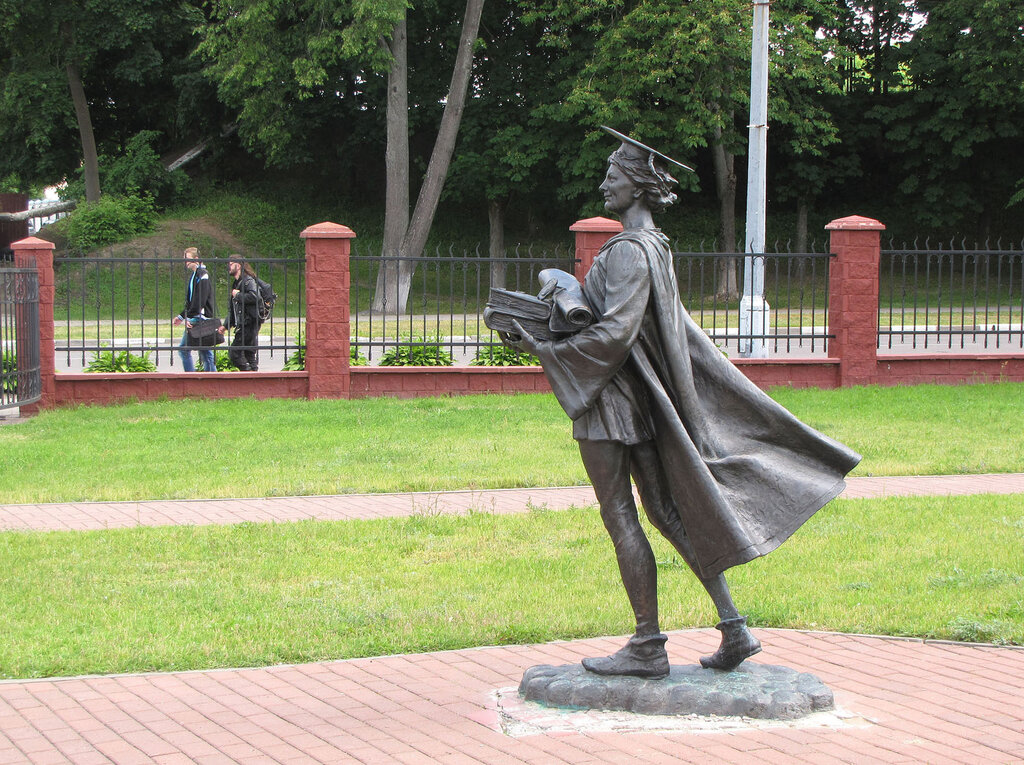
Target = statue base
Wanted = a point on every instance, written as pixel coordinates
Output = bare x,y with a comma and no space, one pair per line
760,691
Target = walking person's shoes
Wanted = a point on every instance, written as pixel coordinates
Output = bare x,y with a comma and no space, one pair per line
737,644
642,656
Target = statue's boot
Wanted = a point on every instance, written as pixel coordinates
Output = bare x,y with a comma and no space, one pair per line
642,656
737,644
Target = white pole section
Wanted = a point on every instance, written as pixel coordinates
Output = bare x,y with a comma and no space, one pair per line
755,316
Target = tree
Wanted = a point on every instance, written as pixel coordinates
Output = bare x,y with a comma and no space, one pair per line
87,64
292,67
400,270
958,128
678,75
874,33
504,147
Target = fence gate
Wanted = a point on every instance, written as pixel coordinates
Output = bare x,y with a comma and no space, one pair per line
20,381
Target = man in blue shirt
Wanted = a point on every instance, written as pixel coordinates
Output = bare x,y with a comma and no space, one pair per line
198,305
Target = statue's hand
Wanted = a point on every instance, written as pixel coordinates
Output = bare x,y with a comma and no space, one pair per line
521,340
548,289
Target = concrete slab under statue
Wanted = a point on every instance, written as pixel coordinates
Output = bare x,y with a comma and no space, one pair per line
723,472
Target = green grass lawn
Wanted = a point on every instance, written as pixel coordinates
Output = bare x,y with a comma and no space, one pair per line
257,594
244,448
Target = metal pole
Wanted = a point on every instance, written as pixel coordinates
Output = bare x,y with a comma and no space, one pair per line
755,315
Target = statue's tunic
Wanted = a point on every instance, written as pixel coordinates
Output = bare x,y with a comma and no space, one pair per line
743,473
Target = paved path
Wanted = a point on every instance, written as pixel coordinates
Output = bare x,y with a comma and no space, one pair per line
899,701
102,515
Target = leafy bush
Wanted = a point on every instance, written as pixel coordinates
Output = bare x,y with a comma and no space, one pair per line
140,172
426,353
136,172
120,361
503,356
297,361
112,219
8,366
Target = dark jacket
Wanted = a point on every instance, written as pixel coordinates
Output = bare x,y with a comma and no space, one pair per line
199,296
742,472
244,306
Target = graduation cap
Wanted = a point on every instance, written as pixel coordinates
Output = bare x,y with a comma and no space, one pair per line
651,153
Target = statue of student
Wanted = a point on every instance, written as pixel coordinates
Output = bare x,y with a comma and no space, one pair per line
723,472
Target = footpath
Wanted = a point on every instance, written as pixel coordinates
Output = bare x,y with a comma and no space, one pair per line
897,700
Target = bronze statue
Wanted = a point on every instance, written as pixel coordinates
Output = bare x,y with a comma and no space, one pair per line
723,472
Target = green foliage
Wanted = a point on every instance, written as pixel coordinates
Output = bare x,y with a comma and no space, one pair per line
355,358
138,72
120,361
424,353
503,356
8,366
297,361
136,173
112,219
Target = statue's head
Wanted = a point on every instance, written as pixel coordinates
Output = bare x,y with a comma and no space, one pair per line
647,169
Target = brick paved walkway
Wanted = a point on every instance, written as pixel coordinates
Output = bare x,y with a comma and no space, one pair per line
104,515
898,700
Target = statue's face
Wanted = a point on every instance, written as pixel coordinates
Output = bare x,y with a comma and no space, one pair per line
619,191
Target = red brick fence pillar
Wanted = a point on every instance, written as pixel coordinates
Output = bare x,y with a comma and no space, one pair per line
328,246
591,234
38,254
853,298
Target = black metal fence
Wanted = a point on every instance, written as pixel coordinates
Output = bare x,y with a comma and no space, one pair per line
20,380
795,321
443,318
127,304
951,298
442,323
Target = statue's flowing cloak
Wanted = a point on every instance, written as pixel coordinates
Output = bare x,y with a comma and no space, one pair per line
742,471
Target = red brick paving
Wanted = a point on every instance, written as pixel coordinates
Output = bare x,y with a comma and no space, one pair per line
900,700
102,515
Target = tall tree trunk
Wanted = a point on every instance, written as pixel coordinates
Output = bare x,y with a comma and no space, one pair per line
496,244
437,170
396,162
725,186
90,160
801,225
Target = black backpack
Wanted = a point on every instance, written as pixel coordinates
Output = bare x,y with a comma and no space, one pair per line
267,299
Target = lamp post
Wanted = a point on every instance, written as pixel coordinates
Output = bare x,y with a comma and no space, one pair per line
755,313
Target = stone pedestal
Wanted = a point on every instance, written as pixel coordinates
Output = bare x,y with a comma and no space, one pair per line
760,691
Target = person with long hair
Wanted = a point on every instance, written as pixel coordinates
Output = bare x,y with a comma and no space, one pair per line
723,472
244,315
